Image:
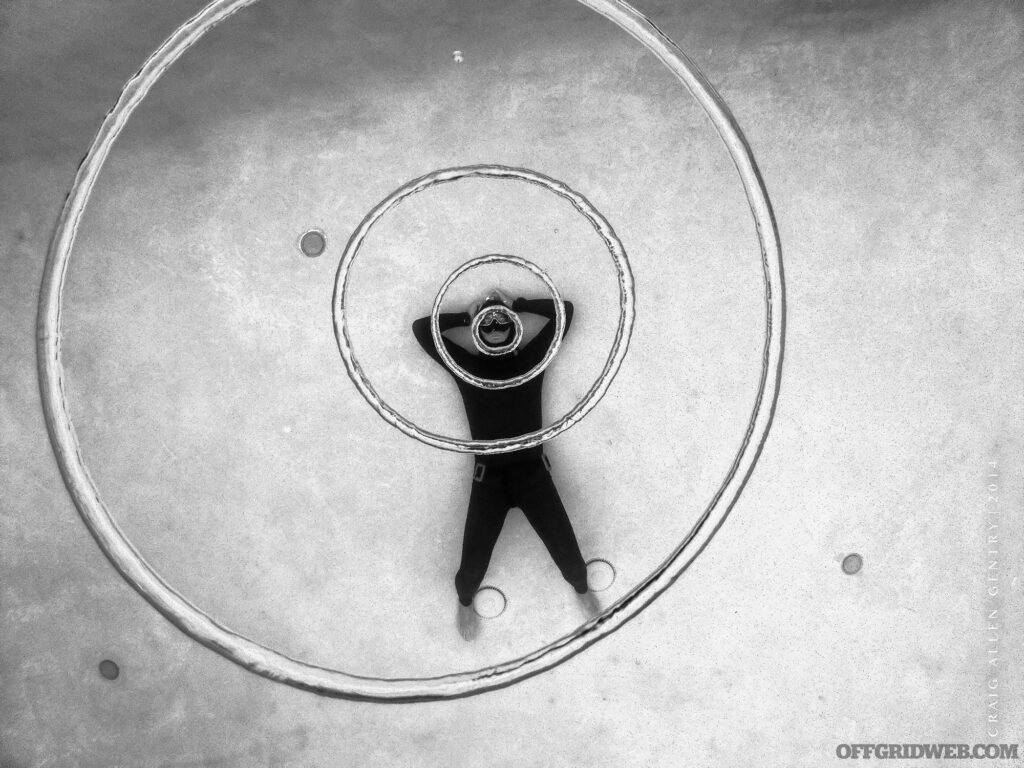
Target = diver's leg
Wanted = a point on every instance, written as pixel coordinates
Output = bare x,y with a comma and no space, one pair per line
488,506
534,492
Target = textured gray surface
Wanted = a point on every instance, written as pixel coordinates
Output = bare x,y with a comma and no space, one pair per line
219,423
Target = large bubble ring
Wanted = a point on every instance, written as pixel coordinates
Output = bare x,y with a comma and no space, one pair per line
332,682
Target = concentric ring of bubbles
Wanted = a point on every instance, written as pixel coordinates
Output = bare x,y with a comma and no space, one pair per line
503,445
514,381
266,661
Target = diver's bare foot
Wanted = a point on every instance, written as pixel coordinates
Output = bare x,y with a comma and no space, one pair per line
468,622
589,602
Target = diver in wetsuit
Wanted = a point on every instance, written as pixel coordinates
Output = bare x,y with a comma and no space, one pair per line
518,478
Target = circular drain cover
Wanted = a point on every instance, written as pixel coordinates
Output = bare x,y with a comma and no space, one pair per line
600,575
313,243
109,669
489,602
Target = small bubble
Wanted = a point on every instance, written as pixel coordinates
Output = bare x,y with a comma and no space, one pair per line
457,57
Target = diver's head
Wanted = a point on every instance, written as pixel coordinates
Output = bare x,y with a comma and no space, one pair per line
496,328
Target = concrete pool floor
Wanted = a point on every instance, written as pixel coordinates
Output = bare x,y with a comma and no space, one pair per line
216,417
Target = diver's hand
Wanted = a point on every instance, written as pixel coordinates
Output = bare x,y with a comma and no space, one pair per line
501,296
494,293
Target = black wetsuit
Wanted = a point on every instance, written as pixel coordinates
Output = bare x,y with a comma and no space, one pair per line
516,479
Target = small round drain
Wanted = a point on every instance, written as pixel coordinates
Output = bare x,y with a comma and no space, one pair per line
109,669
852,563
600,575
313,243
489,602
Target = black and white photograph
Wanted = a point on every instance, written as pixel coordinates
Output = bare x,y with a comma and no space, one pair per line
511,383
